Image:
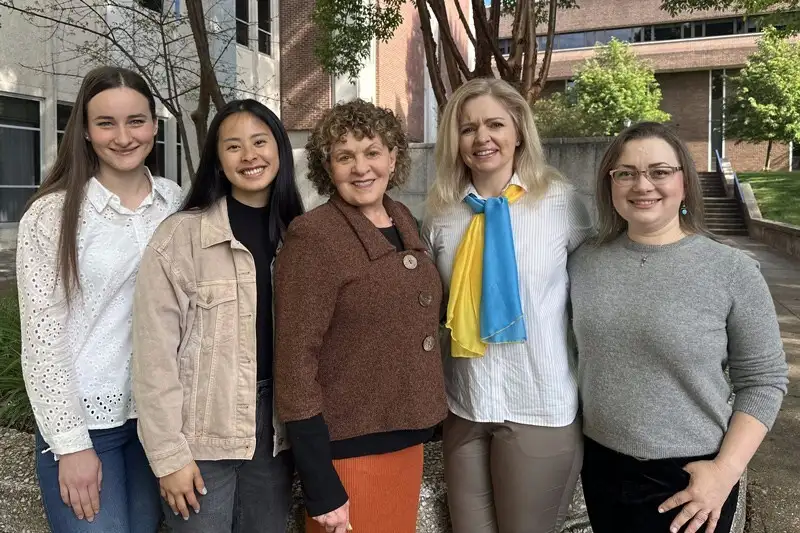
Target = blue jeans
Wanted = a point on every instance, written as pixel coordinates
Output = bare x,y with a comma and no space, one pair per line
244,496
129,497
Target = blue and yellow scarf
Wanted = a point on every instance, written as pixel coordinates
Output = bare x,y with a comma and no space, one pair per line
484,305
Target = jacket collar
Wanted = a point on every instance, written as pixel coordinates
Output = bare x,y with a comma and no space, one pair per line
375,244
215,227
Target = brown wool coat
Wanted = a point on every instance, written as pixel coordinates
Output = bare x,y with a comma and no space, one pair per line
356,324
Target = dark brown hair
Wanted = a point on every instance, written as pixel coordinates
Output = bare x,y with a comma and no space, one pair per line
610,224
77,162
362,119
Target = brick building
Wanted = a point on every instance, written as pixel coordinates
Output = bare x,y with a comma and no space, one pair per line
691,54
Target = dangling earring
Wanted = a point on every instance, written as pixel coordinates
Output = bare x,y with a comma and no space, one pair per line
684,211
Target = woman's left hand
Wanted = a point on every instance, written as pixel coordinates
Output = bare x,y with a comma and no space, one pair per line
710,485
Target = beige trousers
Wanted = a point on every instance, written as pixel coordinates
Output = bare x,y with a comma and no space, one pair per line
510,478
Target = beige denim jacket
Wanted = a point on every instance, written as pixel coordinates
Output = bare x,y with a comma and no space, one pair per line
194,344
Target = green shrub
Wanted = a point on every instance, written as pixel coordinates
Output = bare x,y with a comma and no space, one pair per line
15,410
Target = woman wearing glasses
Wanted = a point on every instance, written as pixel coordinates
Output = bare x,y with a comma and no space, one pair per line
660,312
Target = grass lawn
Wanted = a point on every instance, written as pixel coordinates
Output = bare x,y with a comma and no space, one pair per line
778,194
14,408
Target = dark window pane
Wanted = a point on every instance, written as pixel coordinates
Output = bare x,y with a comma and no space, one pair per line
59,138
241,33
19,112
796,157
667,32
641,34
720,27
62,116
155,160
570,40
621,34
20,162
243,10
686,30
155,5
162,127
264,42
12,202
264,15
698,30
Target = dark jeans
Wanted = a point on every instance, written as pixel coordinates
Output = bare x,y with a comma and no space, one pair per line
623,493
244,496
129,500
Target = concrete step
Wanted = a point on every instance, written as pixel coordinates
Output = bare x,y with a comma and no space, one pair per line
729,232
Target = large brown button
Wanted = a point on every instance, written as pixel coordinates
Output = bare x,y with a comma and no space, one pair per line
428,343
425,299
410,262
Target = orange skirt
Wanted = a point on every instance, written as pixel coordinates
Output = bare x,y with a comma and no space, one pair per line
383,491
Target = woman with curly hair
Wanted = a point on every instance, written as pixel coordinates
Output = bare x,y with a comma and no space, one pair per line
358,373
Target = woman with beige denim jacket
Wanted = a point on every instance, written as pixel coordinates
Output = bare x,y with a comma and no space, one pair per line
203,329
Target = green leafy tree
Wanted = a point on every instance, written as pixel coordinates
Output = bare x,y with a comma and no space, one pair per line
614,87
347,28
556,116
765,102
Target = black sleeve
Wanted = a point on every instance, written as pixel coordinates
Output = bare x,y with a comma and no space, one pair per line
311,446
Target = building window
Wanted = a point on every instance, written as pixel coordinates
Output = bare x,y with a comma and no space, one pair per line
642,34
795,156
153,5
667,32
505,45
20,155
243,22
63,112
157,157
265,27
720,27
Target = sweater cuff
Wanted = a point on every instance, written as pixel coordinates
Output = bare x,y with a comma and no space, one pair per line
311,446
762,403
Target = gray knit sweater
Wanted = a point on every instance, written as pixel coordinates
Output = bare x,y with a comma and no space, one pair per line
656,326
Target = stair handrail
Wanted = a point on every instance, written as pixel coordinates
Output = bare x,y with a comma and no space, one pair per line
731,189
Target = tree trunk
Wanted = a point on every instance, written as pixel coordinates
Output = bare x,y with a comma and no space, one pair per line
769,155
208,77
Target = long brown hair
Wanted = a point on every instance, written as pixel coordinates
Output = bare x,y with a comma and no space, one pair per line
610,224
77,162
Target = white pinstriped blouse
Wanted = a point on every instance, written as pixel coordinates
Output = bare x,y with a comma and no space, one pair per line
533,382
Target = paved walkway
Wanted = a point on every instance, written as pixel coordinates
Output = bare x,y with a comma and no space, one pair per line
773,496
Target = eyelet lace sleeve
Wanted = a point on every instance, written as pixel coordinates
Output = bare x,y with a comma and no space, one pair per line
47,359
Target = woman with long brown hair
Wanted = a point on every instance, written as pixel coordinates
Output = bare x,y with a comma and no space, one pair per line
79,246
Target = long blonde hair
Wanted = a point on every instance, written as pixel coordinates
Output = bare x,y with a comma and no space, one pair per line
453,176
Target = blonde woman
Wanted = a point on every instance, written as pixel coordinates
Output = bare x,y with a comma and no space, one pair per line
500,225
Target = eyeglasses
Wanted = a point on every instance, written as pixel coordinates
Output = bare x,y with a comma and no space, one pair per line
655,175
